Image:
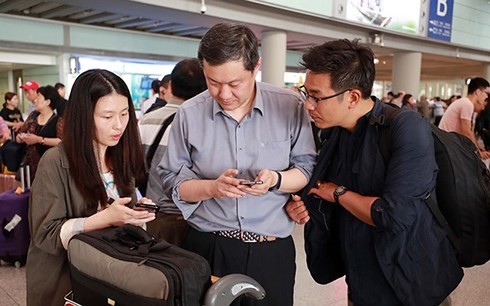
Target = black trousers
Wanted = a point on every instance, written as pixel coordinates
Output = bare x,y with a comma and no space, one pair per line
272,264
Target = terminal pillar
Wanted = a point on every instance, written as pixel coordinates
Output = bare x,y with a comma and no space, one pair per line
487,73
406,72
274,44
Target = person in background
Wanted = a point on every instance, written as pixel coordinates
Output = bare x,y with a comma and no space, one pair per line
10,111
164,94
60,88
438,109
234,154
42,128
424,107
60,108
187,81
377,230
459,115
30,90
408,102
99,158
155,89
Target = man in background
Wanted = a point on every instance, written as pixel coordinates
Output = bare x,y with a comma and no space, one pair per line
187,81
164,94
30,90
458,117
155,89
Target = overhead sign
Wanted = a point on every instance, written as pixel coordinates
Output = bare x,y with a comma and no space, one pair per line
440,19
398,15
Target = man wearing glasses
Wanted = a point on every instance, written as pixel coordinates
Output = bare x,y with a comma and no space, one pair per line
459,115
366,218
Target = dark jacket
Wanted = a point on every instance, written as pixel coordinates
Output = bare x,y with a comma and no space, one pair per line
406,249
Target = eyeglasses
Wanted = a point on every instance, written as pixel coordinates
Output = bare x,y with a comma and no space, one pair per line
307,96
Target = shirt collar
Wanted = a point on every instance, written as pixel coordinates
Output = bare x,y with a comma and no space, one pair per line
258,103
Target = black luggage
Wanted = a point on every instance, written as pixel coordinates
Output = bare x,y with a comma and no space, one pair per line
127,266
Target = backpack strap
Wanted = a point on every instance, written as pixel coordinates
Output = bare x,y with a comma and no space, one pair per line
383,123
158,138
441,220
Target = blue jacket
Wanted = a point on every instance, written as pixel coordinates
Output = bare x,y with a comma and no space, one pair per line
407,254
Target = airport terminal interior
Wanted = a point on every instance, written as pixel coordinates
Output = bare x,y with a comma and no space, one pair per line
424,47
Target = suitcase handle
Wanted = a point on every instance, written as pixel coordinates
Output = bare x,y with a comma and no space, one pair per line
137,238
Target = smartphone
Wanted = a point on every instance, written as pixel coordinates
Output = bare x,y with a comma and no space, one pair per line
251,183
149,207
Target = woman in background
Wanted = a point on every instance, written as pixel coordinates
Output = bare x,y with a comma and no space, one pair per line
100,158
42,128
10,111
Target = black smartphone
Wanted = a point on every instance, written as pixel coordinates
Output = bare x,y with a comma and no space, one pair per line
251,183
149,207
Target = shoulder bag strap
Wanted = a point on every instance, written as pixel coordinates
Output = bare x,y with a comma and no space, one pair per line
158,138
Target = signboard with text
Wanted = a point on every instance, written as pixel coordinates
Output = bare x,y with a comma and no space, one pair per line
440,19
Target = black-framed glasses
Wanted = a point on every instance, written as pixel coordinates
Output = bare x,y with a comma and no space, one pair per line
307,96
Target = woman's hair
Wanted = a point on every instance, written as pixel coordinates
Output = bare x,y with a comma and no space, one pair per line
405,99
49,92
126,159
8,96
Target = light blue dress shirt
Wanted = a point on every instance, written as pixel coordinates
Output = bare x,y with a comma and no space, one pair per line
205,141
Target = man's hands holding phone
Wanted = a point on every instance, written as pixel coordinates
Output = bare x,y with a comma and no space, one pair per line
227,185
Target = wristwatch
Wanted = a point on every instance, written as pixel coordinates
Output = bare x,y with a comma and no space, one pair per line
338,191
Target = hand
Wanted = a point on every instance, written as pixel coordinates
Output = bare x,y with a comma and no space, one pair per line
30,138
268,177
6,137
484,154
297,210
17,126
226,185
324,190
119,214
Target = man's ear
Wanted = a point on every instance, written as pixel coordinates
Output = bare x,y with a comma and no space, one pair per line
257,67
354,97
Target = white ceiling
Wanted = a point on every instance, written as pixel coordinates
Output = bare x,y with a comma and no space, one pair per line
141,17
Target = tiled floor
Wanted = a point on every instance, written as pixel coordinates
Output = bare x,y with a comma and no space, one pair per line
473,291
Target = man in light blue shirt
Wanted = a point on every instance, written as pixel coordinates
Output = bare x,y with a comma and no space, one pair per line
240,130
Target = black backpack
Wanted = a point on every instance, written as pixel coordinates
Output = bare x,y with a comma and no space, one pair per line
462,204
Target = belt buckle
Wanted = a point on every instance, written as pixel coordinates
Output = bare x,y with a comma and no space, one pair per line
249,237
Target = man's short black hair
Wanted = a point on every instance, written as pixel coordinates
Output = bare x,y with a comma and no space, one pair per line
165,81
187,79
477,83
349,65
155,86
226,42
59,85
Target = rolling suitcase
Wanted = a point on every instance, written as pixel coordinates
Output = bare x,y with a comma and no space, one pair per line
127,266
7,181
14,231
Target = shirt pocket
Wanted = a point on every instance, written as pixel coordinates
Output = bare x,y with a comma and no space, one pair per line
274,155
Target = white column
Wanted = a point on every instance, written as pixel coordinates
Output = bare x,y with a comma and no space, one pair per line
274,57
11,81
487,73
406,72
